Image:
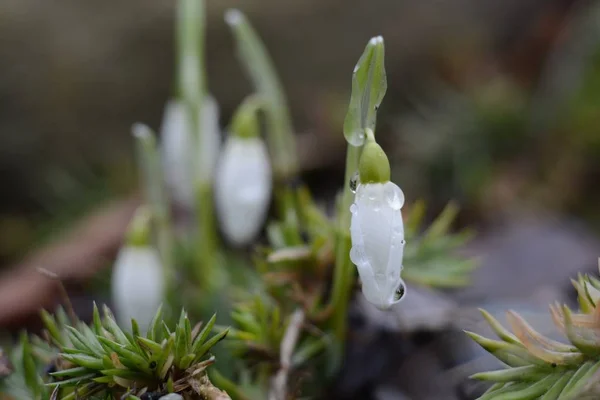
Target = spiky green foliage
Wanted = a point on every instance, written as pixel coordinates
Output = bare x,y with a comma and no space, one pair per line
538,367
430,255
101,360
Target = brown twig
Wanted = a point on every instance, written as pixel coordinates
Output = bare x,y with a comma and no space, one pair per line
64,296
278,390
204,387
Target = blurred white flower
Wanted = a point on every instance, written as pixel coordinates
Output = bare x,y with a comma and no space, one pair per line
243,188
184,163
377,229
138,285
171,396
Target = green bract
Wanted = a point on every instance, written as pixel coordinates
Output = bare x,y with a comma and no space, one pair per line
139,228
245,122
369,84
374,166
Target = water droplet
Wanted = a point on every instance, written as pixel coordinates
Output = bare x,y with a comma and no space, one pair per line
394,196
403,242
354,182
353,209
400,291
355,256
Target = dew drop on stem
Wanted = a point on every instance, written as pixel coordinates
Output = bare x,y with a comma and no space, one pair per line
354,182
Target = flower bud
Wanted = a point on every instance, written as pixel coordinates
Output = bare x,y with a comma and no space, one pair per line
377,229
243,182
138,283
184,162
243,188
171,396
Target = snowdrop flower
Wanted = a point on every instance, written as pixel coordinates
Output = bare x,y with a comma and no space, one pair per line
138,282
377,230
183,165
243,178
172,396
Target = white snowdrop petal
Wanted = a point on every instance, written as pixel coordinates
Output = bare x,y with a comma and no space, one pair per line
171,396
184,166
137,285
243,188
177,163
211,140
377,233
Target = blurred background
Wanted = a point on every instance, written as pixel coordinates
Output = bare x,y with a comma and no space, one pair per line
494,104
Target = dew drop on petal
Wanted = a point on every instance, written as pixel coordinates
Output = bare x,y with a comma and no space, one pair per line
354,182
357,256
354,255
394,196
400,291
353,209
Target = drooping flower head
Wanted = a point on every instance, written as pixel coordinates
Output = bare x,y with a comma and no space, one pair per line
138,279
376,229
244,179
189,157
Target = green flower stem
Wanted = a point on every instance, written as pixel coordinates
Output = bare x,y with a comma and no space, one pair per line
285,199
155,194
191,87
190,51
207,241
344,270
259,67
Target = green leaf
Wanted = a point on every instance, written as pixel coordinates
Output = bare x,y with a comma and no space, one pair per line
309,349
526,373
166,358
73,381
80,341
32,379
369,84
97,321
124,373
112,326
84,360
50,324
129,358
209,344
204,334
259,67
580,379
77,371
154,330
151,345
